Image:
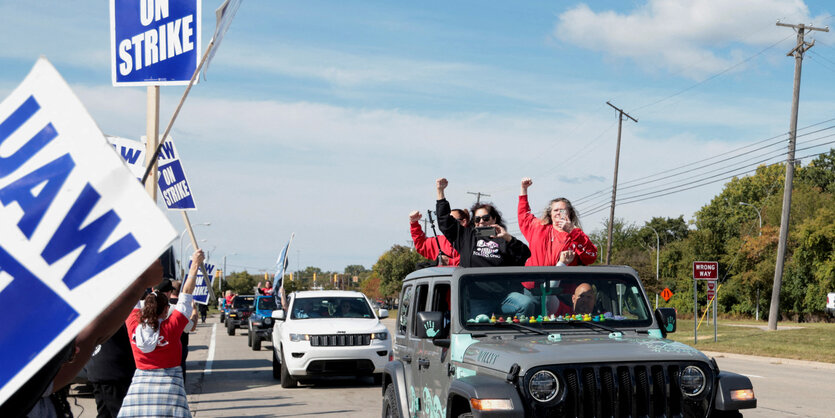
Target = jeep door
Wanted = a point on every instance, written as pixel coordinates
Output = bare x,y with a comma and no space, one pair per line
407,346
433,360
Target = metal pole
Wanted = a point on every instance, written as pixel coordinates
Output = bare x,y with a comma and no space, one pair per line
715,324
798,51
478,196
621,114
695,313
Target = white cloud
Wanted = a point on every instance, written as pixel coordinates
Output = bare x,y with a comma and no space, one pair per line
692,37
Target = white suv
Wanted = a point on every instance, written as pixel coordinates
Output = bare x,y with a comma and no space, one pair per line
327,333
830,303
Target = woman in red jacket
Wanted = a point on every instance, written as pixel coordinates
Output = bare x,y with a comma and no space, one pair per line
428,247
157,387
556,231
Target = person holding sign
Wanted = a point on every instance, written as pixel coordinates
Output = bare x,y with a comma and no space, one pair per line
157,388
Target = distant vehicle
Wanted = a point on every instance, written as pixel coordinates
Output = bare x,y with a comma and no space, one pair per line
237,314
830,303
329,333
260,323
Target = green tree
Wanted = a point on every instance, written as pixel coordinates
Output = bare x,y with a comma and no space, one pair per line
354,270
820,173
393,266
241,283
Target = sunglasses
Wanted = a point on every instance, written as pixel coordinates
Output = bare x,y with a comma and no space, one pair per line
484,218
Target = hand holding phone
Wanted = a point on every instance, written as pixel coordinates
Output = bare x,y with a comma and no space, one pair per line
484,232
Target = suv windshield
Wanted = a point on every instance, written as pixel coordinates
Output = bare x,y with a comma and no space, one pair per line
334,307
266,304
552,299
243,302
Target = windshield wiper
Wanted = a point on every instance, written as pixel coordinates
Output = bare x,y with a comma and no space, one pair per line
525,327
593,325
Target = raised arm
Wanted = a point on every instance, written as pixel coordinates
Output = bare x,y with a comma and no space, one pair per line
426,248
196,262
449,226
526,182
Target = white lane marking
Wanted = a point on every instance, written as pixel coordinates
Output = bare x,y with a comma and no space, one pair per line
211,356
753,375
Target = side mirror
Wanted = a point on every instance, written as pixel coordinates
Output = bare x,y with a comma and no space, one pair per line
277,314
666,320
431,325
383,313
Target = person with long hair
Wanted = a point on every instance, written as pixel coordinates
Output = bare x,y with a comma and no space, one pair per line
436,248
499,249
157,387
555,232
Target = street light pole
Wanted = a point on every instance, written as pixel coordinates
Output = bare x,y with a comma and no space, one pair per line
758,215
182,234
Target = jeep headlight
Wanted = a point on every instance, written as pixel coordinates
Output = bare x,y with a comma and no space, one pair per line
543,386
268,321
380,336
692,381
299,337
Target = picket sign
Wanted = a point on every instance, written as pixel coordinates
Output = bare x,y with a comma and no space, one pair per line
173,184
201,289
133,152
76,228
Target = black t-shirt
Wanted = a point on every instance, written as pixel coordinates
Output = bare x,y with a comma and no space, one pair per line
113,361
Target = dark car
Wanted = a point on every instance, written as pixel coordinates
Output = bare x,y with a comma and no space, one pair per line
261,322
238,313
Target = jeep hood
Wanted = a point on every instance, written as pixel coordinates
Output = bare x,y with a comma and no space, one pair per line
501,354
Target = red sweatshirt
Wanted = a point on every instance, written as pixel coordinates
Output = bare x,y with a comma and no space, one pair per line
428,248
546,242
168,349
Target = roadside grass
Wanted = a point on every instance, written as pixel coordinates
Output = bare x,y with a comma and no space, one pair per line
809,341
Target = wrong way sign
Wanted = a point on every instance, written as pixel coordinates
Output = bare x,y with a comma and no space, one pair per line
705,270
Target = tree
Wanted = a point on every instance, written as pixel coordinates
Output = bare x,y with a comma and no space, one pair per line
393,266
371,287
820,173
241,283
354,270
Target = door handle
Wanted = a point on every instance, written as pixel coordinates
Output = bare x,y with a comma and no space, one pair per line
407,358
423,363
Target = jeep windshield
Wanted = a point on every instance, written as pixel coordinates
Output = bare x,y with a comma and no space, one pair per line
243,302
552,300
266,304
331,307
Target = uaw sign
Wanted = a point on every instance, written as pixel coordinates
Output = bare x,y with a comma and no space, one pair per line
154,42
201,287
173,185
133,152
76,228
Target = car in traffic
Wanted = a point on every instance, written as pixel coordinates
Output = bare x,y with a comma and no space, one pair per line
329,333
238,312
260,322
830,303
550,342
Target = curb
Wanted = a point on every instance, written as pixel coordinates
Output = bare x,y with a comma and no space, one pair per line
772,360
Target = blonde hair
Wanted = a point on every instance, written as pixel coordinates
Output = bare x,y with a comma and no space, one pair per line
545,219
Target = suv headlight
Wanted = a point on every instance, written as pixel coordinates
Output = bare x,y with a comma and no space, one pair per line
380,336
692,381
299,337
543,386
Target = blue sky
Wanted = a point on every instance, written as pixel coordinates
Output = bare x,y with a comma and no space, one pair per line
333,119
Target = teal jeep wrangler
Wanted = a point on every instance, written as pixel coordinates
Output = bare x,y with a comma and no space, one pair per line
550,342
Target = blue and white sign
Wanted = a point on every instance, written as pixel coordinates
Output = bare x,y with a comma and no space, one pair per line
201,288
76,228
173,185
154,42
132,152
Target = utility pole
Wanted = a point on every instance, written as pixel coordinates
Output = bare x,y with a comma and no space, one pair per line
478,196
801,47
425,225
621,114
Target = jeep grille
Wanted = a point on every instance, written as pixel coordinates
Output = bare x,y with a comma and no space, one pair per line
340,340
622,390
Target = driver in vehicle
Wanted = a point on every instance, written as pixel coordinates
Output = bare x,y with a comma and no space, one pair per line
582,302
346,311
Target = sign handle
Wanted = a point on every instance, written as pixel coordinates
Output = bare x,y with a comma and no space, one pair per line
196,247
176,113
152,135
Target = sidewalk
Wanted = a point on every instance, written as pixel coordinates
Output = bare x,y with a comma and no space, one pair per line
772,360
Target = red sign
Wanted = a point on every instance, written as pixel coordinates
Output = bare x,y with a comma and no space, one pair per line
711,289
666,294
705,270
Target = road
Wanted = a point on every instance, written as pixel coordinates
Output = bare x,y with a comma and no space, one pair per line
239,382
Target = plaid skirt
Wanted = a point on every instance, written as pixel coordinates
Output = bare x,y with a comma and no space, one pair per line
156,393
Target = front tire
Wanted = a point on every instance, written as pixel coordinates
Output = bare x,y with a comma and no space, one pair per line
276,367
249,339
256,343
222,317
287,381
230,329
390,409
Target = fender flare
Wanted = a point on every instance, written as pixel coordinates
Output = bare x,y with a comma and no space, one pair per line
395,374
486,387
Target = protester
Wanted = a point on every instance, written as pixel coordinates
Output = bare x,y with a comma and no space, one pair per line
33,398
557,230
204,310
157,388
267,290
500,249
173,294
110,372
437,248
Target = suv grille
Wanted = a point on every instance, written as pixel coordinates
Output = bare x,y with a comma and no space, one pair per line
622,390
340,340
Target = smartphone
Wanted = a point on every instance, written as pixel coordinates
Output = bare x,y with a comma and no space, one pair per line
484,231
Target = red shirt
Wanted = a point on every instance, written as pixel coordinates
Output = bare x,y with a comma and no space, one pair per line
428,247
169,349
546,242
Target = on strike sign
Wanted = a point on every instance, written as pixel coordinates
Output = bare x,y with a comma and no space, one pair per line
154,42
705,270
